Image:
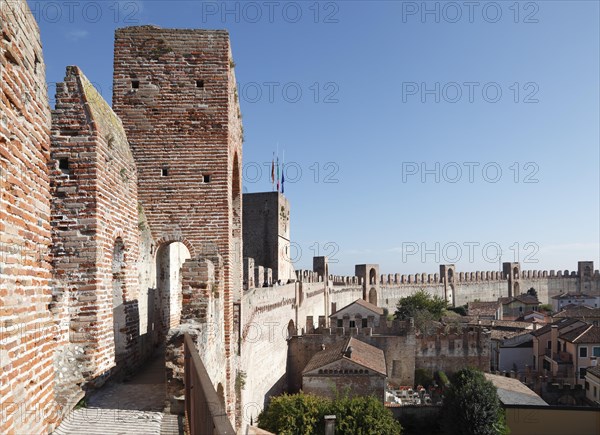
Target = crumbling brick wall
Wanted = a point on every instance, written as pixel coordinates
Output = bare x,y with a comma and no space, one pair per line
96,231
176,94
26,325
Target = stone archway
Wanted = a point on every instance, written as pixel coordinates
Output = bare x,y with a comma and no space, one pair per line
372,276
168,299
373,296
118,300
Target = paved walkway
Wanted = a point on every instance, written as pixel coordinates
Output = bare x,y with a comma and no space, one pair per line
127,408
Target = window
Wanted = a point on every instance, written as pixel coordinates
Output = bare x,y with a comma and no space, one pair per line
365,323
352,324
63,164
206,178
340,323
135,84
595,391
582,372
164,172
549,345
200,83
583,352
596,351
587,385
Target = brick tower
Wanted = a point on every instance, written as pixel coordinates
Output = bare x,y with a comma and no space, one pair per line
176,93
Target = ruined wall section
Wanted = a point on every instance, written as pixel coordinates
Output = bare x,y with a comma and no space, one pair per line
452,352
26,325
96,234
175,91
202,318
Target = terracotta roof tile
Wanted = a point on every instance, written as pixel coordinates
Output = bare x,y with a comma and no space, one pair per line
363,354
377,310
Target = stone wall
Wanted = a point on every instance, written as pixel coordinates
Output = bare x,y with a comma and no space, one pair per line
27,330
452,352
266,218
96,238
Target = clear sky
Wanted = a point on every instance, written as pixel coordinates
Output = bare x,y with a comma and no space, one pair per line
415,133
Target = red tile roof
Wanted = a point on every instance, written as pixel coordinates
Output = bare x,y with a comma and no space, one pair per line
363,354
377,310
583,334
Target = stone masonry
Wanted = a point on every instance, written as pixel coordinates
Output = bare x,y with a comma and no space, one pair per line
176,93
121,231
26,327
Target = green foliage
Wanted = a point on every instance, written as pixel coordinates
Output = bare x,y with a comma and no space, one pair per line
293,414
420,301
462,310
423,377
363,415
532,292
304,414
472,406
442,378
546,307
240,380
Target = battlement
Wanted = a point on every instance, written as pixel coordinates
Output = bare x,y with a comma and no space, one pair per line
428,278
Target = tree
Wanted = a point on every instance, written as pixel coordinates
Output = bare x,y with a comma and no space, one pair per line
304,414
532,292
293,414
422,307
472,406
363,415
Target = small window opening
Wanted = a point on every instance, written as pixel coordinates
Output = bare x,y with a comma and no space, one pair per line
164,172
63,164
135,84
200,84
36,64
5,36
206,178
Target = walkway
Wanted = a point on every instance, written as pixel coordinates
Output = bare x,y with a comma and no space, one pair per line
127,408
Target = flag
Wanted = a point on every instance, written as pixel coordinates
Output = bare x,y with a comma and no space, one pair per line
273,171
282,175
278,173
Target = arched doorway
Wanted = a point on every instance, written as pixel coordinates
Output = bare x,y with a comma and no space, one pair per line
373,296
221,395
167,301
118,300
291,329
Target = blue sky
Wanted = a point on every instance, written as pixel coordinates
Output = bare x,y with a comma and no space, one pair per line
378,106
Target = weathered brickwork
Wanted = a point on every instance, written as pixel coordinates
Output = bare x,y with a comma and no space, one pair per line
176,93
96,234
26,327
118,236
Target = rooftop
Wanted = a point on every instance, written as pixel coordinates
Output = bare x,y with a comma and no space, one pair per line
363,354
583,334
573,295
513,392
376,310
561,323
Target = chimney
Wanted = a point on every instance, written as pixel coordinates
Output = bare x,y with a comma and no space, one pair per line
553,339
348,352
330,425
323,346
593,361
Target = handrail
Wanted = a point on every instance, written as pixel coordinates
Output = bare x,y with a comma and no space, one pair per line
205,412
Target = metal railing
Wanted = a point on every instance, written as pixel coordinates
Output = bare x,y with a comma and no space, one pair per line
204,410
